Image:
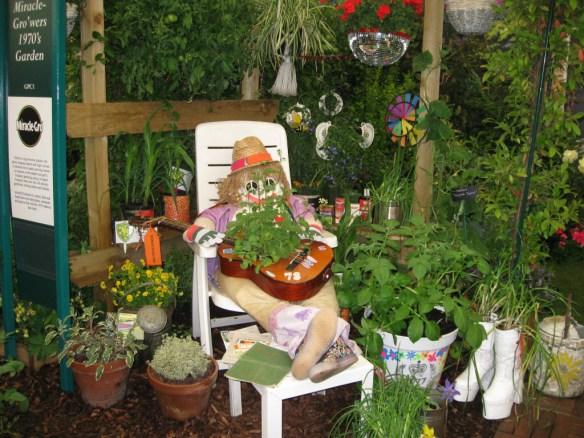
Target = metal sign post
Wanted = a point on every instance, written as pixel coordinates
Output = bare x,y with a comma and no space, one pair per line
36,158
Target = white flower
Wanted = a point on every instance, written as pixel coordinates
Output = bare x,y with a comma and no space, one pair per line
570,155
581,165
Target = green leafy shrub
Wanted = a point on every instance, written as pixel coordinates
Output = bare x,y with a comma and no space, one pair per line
178,359
11,398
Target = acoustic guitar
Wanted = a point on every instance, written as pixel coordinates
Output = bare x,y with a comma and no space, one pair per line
293,279
296,278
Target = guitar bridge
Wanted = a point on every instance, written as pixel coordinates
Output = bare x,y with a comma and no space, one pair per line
298,258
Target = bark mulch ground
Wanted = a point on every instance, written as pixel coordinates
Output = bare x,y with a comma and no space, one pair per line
53,413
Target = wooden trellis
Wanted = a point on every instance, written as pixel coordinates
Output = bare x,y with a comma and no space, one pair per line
94,119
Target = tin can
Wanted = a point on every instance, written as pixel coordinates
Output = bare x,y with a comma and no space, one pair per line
339,209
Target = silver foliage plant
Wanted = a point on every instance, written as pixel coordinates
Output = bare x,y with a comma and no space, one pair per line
178,358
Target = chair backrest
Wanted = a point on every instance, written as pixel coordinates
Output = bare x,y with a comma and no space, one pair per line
213,152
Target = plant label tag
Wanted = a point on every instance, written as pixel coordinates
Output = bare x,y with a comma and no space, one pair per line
152,254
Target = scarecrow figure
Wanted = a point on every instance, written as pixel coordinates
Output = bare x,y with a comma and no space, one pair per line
315,337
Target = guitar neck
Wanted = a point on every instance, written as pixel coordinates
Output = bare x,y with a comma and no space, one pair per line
163,220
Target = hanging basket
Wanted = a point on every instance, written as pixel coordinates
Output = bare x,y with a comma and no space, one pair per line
378,49
470,17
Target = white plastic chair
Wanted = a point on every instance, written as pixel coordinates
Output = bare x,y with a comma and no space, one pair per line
214,144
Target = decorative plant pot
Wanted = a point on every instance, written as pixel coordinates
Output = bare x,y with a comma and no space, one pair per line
424,360
470,17
378,48
108,390
387,211
177,208
136,211
565,376
437,416
184,401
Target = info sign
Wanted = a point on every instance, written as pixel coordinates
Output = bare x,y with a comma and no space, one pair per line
33,140
30,138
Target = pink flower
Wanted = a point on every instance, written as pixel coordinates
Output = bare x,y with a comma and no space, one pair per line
383,11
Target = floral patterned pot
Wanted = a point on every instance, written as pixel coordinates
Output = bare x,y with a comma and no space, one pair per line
565,376
424,360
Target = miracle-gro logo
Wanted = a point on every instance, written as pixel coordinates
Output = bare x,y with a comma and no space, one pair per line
29,126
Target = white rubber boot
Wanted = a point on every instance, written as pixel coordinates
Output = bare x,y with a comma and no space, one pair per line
507,386
480,370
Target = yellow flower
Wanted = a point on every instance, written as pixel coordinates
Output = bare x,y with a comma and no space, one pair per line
145,293
137,276
129,298
118,283
142,262
164,276
427,432
102,285
148,273
569,369
114,290
110,268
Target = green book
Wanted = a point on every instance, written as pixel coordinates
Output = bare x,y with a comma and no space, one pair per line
262,365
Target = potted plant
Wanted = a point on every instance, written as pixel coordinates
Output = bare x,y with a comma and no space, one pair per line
178,170
146,164
275,234
388,198
134,285
182,376
397,407
412,313
99,355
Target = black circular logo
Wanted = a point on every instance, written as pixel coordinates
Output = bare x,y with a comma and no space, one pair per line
29,126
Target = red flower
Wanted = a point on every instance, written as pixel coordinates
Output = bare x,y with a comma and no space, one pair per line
383,11
578,236
279,219
349,6
418,5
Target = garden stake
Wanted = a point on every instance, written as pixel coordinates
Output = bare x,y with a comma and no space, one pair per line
534,131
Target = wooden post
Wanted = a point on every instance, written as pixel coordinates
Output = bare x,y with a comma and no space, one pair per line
96,150
429,91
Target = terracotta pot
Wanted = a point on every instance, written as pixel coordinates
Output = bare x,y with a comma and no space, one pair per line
183,401
177,208
108,390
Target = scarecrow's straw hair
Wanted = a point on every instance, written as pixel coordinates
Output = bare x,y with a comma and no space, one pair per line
229,187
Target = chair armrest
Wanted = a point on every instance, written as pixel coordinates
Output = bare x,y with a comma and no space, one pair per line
201,251
329,238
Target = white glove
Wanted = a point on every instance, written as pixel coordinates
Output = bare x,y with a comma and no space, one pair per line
203,236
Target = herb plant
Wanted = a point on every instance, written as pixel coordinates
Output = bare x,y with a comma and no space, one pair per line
92,338
439,269
179,360
393,409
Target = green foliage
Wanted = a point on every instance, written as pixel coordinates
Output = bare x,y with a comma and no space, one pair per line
393,409
176,49
296,25
178,359
179,260
439,270
92,338
11,397
510,69
146,163
265,233
31,321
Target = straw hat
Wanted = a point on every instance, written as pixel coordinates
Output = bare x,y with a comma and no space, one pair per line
249,152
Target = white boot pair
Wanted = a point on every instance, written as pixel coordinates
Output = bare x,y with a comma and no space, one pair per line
496,365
